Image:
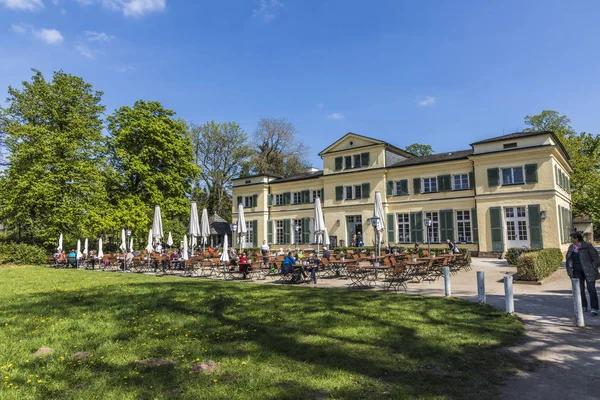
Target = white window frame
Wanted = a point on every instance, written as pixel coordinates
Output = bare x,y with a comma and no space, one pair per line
346,188
247,202
297,235
355,158
296,197
512,175
463,221
462,181
315,194
404,227
355,188
345,162
433,232
250,232
278,199
429,180
279,231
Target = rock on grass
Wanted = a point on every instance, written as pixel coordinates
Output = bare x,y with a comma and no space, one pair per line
43,351
204,367
82,356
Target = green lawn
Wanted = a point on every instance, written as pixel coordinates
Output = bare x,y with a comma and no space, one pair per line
272,341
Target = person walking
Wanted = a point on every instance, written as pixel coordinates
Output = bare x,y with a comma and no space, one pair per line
582,262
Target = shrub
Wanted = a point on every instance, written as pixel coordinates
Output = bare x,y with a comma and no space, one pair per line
512,255
535,266
21,254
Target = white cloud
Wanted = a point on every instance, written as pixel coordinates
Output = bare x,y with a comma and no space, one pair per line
27,5
427,101
49,36
92,36
85,51
265,9
129,8
335,115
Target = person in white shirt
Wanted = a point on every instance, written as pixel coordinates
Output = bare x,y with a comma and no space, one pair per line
159,248
264,248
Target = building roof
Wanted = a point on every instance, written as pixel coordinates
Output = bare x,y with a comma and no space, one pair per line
375,141
581,219
218,226
299,177
441,157
514,135
256,175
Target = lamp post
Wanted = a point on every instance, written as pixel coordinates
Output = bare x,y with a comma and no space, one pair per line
127,235
233,229
374,221
296,230
428,224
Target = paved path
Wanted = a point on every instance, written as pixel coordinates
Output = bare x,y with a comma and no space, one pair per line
561,360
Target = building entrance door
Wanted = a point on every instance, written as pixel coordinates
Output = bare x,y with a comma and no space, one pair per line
353,225
516,227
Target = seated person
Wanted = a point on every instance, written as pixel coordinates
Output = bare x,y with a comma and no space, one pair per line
452,247
300,255
244,267
326,253
62,257
234,259
280,252
264,248
288,262
417,249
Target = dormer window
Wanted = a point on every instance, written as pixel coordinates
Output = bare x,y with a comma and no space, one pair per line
347,162
510,145
352,161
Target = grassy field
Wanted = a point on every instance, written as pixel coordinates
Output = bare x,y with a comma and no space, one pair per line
272,342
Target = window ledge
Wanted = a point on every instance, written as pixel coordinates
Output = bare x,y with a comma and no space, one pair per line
513,184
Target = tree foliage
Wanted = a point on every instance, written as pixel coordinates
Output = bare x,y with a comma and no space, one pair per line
419,149
151,155
584,150
278,151
221,151
55,181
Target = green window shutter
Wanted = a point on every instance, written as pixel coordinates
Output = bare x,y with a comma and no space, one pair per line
255,230
416,227
561,225
556,174
493,177
339,161
417,185
474,226
531,175
339,193
444,183
404,187
535,226
366,190
389,188
287,198
305,222
391,228
306,196
254,200
239,200
270,231
322,196
471,180
568,185
496,225
270,200
365,159
446,225
287,231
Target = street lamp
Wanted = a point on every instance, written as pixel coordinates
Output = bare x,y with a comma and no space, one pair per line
428,224
296,236
374,221
233,229
127,235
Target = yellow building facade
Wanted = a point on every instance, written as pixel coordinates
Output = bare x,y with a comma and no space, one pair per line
508,191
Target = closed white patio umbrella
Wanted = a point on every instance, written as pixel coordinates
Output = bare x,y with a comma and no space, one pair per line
380,223
318,222
85,247
79,255
194,228
185,248
149,247
170,240
204,228
131,244
225,253
60,243
325,237
242,231
157,228
123,246
100,252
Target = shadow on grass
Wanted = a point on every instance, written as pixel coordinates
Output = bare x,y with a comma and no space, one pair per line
331,342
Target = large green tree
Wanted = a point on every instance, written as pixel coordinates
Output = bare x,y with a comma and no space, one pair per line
221,151
55,179
419,149
151,154
584,150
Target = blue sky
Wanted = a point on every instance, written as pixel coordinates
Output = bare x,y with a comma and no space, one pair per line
445,73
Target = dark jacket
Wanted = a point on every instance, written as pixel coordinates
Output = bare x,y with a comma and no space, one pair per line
590,261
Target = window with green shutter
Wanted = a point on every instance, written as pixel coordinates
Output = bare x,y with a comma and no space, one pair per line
535,226
417,185
556,174
270,200
287,198
447,225
474,226
391,228
496,227
531,174
339,162
403,183
366,190
255,200
493,177
239,200
416,227
305,230
471,180
444,183
339,193
255,233
287,231
389,188
365,159
305,196
270,231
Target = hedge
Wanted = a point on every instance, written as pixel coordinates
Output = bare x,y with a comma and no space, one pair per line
535,266
21,254
512,255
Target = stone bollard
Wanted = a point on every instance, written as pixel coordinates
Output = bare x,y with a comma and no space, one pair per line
577,303
481,287
508,295
447,286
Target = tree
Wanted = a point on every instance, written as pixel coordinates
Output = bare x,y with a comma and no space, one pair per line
151,154
278,151
221,151
55,181
419,150
584,150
